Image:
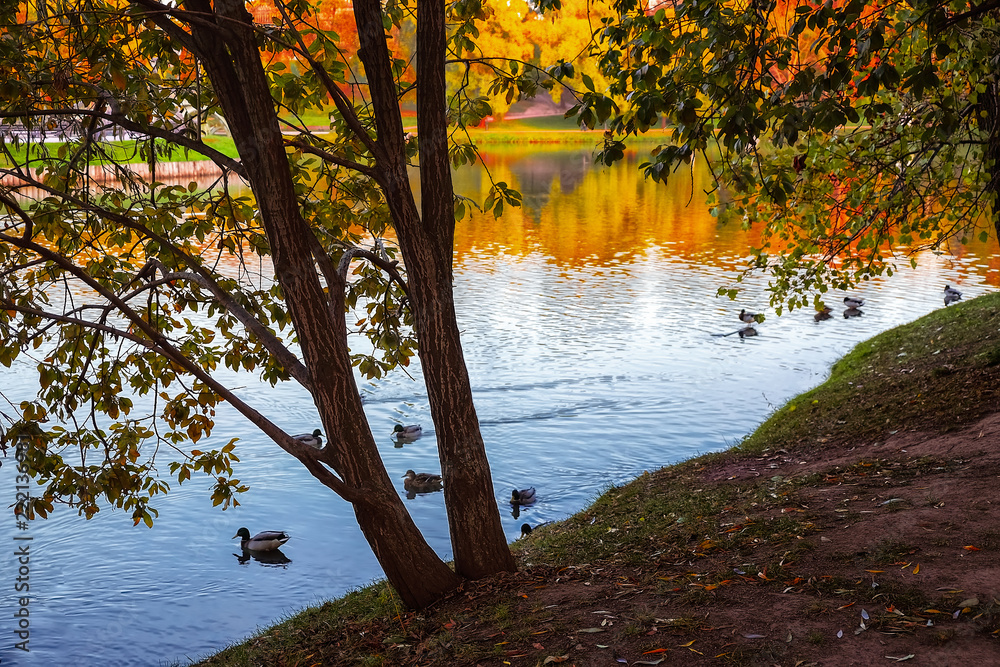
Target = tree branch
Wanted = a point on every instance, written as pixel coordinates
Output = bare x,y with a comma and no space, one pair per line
282,354
330,157
344,105
385,265
200,275
159,344
217,157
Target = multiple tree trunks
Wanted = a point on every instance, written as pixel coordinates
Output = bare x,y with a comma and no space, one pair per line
228,51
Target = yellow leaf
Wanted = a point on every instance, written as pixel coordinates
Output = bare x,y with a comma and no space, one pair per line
688,644
916,569
118,79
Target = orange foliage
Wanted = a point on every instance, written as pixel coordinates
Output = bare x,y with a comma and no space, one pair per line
329,15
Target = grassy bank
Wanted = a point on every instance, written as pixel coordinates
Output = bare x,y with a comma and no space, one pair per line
548,130
551,130
857,521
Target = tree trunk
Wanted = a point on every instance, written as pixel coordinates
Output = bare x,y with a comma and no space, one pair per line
412,567
426,242
989,125
477,535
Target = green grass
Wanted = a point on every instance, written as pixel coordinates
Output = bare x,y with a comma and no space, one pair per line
941,355
549,131
373,604
123,152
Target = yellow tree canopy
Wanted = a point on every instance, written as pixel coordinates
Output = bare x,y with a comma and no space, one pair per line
513,29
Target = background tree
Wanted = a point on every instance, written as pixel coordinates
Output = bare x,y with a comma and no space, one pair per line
854,134
118,289
514,44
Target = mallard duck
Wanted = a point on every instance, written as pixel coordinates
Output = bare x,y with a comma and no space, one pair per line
951,295
525,530
269,540
421,482
314,439
853,312
823,314
522,497
411,432
747,317
853,302
747,332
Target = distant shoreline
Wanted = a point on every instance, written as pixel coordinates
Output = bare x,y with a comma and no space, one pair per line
206,168
164,171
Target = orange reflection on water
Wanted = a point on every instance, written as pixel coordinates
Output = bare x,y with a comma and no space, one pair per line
577,214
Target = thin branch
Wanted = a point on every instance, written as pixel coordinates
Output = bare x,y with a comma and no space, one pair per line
282,354
344,105
180,139
385,265
330,157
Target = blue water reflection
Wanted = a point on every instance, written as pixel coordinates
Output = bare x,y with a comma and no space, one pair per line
590,326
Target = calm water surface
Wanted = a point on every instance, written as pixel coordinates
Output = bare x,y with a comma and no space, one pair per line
591,327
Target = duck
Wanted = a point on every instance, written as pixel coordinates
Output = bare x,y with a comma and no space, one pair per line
268,540
522,497
951,295
747,317
421,482
823,314
853,302
412,431
747,332
853,312
314,439
525,530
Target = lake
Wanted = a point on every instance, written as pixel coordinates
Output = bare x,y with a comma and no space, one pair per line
592,335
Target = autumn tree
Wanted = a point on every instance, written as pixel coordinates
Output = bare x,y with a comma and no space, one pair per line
853,134
130,295
519,46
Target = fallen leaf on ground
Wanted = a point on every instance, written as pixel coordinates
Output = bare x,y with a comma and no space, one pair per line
555,658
